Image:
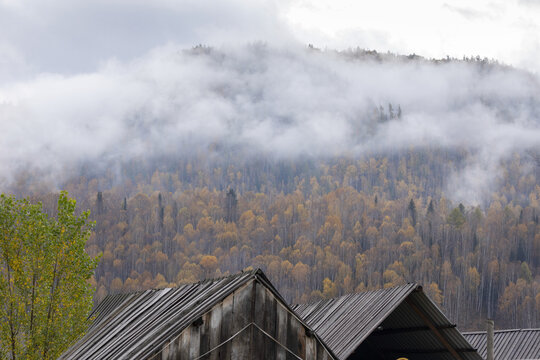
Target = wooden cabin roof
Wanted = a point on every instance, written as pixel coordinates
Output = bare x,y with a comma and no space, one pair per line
514,344
137,325
134,325
398,321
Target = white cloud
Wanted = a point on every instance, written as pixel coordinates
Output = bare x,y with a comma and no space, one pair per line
79,81
70,36
432,28
274,101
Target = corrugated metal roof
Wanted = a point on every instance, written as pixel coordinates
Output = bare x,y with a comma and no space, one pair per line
134,325
344,323
515,344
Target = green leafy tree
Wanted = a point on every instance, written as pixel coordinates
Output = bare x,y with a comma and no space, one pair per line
45,293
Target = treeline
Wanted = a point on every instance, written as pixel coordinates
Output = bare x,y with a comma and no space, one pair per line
361,54
322,228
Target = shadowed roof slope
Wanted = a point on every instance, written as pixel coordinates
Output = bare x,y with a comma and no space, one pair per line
516,344
396,317
134,325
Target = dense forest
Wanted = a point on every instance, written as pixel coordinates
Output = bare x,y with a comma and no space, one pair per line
322,228
333,172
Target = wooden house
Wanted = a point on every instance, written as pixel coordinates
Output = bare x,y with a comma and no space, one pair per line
235,317
387,324
244,317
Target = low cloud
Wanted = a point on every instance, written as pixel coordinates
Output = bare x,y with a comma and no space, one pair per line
269,101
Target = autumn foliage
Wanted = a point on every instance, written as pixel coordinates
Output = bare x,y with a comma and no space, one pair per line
324,228
45,294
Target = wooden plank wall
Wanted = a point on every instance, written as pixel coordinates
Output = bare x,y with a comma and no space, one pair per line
251,304
280,324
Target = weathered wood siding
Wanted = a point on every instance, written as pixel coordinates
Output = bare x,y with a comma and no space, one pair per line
248,324
293,339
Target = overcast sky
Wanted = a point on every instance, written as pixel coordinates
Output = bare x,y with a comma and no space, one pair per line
110,80
73,36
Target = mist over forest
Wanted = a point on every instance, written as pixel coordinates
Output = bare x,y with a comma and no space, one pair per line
260,101
333,171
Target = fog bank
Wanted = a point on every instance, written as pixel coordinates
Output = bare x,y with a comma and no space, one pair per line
269,101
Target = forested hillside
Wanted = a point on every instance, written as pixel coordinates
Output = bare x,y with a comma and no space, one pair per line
333,172
322,228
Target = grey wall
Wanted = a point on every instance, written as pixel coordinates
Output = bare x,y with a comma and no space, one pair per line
251,323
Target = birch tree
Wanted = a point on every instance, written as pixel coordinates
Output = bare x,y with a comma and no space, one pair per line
45,293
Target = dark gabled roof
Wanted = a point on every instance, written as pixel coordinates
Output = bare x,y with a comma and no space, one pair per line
344,323
516,344
134,325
